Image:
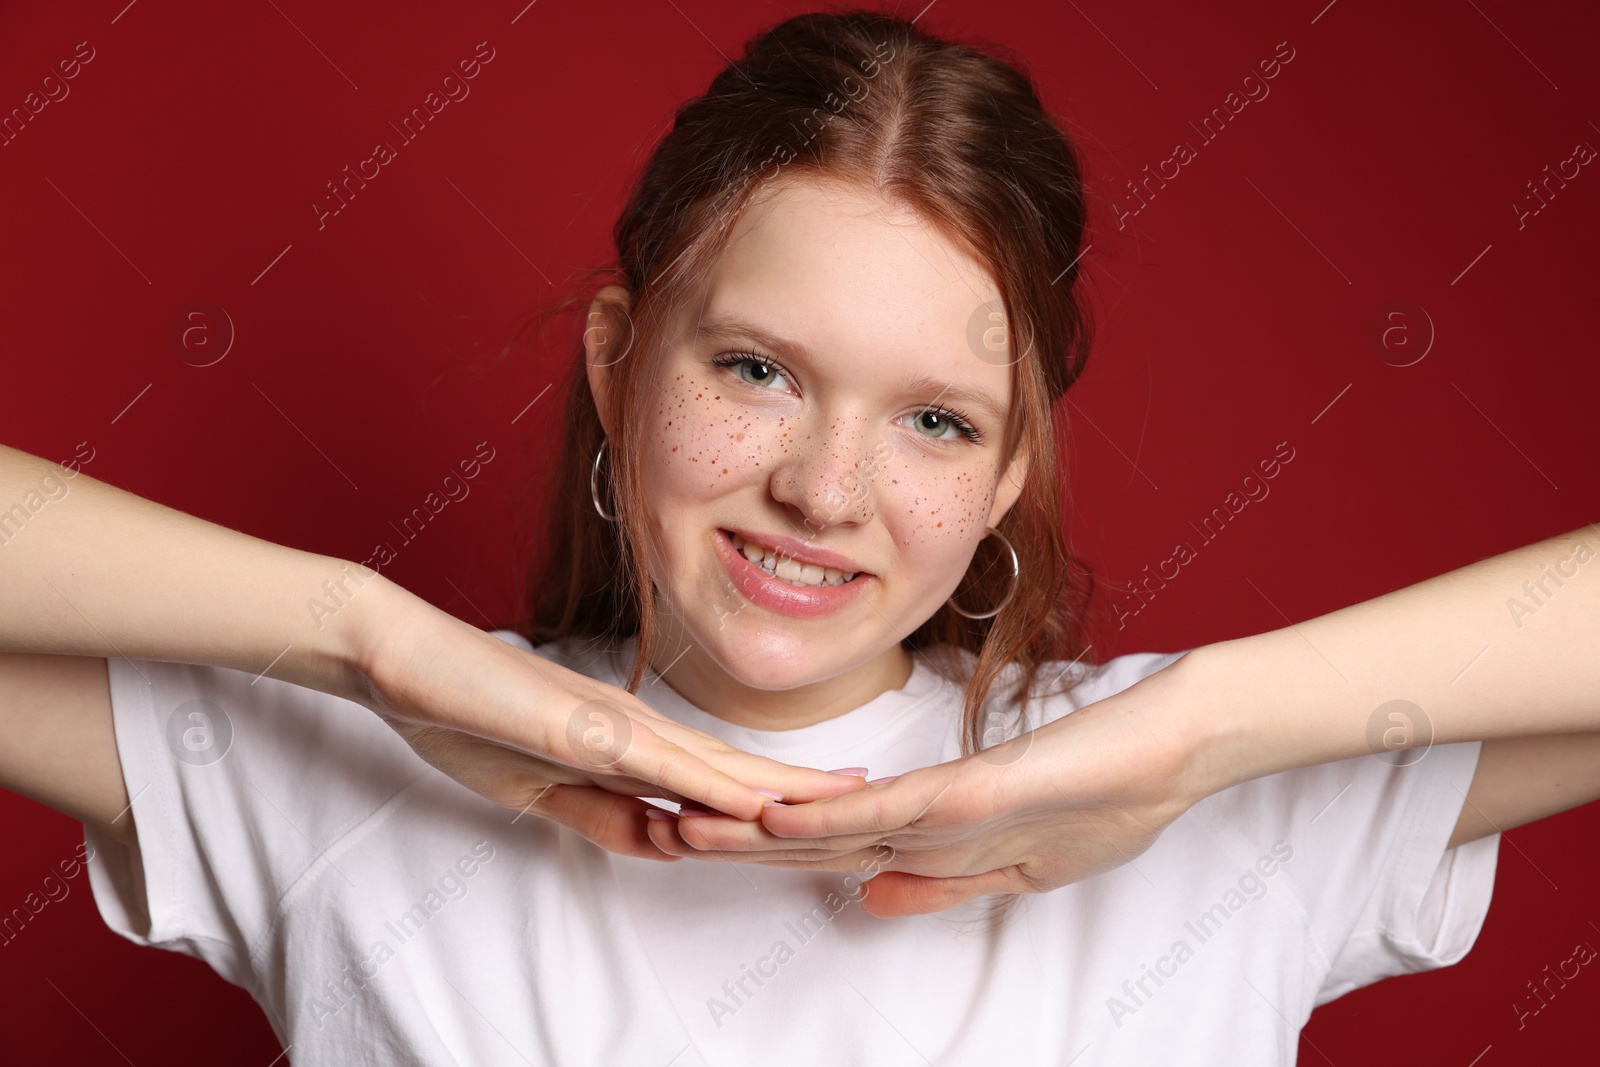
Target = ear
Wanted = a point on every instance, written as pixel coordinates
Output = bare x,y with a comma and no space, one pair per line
607,336
1012,480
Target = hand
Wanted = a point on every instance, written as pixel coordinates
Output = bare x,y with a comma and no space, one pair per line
1076,797
533,736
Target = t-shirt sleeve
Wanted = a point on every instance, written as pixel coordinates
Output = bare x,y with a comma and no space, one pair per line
239,785
1380,893
1423,904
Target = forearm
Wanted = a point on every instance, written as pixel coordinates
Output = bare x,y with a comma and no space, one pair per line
89,569
1505,647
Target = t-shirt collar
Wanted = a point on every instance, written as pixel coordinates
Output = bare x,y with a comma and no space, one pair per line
923,689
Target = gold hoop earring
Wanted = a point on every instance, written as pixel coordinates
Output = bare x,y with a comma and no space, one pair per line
594,483
1016,578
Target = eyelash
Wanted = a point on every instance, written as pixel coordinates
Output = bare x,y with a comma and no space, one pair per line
956,418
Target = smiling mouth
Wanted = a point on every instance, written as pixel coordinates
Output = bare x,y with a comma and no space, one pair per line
777,565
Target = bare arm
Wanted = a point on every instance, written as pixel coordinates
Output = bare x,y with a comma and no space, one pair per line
55,714
1505,650
101,572
1523,779
89,571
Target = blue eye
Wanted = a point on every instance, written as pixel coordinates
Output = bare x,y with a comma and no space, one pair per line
763,371
941,419
938,424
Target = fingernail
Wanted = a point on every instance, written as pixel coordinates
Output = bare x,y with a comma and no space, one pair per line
880,781
770,793
858,771
658,815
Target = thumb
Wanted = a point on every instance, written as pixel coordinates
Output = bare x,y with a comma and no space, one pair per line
895,893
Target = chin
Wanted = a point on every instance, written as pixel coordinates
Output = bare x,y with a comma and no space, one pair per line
771,659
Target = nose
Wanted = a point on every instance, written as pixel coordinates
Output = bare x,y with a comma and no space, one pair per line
829,479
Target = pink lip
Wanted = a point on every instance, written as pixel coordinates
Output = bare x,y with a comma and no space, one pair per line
800,551
774,594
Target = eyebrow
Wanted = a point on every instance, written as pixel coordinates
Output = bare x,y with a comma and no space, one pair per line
731,328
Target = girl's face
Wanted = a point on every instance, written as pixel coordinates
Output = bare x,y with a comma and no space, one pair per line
822,398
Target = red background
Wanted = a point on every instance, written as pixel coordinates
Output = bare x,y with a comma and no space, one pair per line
1233,311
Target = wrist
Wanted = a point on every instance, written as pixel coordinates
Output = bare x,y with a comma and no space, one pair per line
1162,745
354,622
1259,705
1218,722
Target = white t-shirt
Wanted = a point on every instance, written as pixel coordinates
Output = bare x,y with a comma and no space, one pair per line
383,914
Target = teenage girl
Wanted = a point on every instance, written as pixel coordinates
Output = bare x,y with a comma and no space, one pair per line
806,531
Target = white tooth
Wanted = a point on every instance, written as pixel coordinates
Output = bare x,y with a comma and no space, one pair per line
811,574
751,553
788,569
832,577
848,575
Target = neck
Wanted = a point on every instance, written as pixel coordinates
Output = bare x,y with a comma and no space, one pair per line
693,674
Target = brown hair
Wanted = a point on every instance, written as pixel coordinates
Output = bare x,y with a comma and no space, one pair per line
959,137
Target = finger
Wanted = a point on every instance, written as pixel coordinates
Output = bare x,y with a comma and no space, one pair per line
663,833
864,862
629,748
627,785
612,822
517,772
513,778
794,784
669,837
895,893
736,835
880,809
650,758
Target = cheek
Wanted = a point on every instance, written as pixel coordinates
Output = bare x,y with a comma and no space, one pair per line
704,443
947,505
